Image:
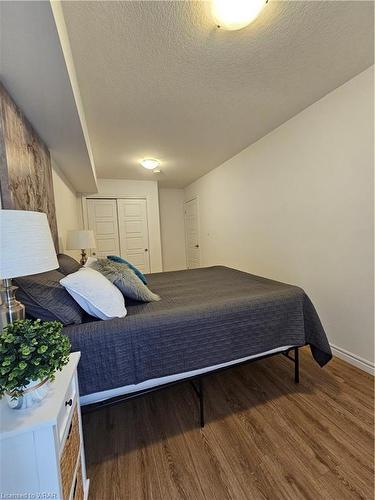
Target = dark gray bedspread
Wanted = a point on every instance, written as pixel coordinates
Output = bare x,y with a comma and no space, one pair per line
206,317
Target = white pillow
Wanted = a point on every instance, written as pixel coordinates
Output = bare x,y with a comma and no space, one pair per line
95,293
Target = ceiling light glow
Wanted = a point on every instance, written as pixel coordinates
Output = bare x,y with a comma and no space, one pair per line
150,163
236,14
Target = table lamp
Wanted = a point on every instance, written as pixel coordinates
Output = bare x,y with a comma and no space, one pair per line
26,247
81,239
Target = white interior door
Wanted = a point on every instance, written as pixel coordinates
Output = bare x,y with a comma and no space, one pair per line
193,253
133,231
102,219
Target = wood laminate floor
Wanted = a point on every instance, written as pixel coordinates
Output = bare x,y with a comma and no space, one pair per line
265,438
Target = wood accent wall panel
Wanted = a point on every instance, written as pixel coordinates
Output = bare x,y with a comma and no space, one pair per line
25,164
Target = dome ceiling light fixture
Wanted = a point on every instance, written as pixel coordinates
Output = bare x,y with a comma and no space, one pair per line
236,14
150,163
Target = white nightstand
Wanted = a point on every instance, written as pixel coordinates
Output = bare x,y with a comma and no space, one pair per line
41,449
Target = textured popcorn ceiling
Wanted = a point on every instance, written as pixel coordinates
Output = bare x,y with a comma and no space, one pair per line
158,78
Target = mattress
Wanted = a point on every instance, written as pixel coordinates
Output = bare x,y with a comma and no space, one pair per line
155,382
206,317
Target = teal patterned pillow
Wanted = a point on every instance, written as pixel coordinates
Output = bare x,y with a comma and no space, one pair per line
120,260
125,280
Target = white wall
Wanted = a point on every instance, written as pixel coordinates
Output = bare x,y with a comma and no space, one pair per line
68,209
297,206
172,229
143,189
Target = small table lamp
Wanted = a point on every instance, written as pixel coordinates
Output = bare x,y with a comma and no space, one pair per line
81,239
26,247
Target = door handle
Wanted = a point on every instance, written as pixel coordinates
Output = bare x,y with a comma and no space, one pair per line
146,249
196,246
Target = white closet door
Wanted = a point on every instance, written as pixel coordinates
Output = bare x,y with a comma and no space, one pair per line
193,254
102,219
133,231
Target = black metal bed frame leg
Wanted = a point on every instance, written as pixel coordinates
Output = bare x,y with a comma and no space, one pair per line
199,392
295,360
201,402
296,365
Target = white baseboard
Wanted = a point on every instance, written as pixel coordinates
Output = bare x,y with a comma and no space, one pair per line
353,359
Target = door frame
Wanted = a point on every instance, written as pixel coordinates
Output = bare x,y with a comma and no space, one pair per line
196,198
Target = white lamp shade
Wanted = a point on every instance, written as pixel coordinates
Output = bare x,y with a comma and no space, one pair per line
79,239
26,245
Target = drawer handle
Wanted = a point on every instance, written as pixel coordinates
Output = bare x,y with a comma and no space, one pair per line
69,403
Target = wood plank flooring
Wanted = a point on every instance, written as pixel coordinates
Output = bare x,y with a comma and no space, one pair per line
265,438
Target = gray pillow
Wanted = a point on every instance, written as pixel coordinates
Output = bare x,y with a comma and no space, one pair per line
67,265
44,298
125,280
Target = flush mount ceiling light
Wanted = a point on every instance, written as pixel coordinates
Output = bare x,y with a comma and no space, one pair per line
236,14
150,163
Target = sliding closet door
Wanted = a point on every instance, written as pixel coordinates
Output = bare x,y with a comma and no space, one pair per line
133,231
102,219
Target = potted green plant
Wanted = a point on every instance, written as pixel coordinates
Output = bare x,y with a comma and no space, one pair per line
30,354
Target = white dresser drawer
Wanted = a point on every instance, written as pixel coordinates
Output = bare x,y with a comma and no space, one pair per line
66,410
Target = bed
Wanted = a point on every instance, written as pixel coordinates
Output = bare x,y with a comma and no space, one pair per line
208,319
